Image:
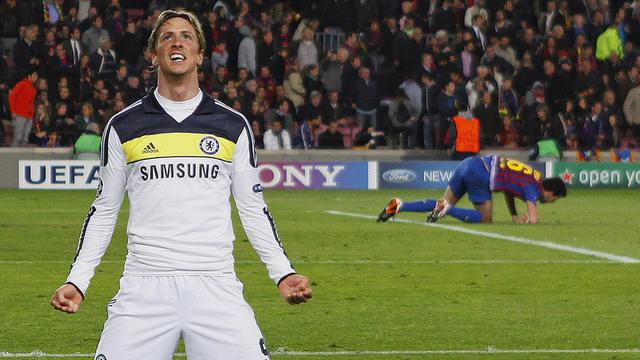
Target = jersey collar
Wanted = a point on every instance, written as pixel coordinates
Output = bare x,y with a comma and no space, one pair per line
150,104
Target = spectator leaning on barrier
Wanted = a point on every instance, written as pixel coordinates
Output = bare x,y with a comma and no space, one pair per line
88,144
21,102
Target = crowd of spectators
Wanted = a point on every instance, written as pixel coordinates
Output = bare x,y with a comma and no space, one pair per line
346,73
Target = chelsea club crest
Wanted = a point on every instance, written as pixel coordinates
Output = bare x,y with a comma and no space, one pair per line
209,145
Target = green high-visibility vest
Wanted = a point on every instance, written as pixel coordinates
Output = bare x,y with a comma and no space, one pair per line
87,143
549,148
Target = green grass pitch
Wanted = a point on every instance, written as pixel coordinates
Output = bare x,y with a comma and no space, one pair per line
395,287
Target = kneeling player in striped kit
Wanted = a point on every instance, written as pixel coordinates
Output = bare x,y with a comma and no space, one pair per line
179,154
479,177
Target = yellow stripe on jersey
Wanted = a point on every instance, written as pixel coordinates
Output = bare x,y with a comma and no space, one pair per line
178,145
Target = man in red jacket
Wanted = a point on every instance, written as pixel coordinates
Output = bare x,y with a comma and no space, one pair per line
21,100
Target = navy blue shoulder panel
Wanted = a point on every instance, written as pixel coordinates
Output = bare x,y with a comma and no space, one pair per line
113,123
148,118
241,123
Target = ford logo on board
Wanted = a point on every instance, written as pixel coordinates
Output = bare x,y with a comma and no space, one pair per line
399,176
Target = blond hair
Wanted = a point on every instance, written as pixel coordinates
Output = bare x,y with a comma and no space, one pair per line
171,14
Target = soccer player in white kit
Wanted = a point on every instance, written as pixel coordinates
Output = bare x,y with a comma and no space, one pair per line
179,154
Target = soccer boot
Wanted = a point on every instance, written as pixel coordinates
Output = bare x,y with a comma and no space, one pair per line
438,211
389,211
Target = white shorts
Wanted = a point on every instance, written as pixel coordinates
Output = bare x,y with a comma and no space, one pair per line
150,314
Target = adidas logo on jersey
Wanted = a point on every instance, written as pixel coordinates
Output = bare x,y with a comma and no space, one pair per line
150,148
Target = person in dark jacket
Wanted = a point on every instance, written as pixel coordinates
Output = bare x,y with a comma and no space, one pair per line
364,98
266,51
442,18
313,108
27,52
341,14
490,124
103,61
555,87
331,138
131,45
409,53
334,109
446,110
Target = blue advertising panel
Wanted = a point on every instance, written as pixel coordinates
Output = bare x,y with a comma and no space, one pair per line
423,174
415,174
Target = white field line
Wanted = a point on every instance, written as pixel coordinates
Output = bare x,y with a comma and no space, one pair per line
283,352
516,239
363,262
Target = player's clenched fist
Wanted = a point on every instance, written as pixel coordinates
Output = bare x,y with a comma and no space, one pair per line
295,289
66,298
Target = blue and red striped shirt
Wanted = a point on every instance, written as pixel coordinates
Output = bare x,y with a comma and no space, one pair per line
515,178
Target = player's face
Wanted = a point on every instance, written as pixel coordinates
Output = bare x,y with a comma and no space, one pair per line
178,50
548,197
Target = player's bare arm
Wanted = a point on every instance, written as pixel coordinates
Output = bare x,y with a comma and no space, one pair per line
66,298
511,206
532,212
295,289
531,217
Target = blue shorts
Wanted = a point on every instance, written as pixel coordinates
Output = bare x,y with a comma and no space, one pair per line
471,176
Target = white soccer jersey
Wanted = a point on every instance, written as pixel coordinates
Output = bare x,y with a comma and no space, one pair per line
178,177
